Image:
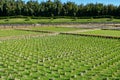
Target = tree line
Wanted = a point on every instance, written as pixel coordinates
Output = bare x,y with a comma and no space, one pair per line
56,8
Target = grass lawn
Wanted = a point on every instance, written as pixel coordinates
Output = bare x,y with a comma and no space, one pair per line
60,20
103,32
4,33
56,29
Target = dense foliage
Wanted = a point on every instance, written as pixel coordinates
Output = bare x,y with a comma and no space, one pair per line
56,8
60,57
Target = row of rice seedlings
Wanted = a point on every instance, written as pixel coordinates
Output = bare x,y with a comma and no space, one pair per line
69,63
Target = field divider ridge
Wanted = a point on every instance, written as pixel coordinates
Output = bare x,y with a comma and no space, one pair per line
42,31
73,33
92,35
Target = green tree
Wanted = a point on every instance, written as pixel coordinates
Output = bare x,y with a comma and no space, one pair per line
57,7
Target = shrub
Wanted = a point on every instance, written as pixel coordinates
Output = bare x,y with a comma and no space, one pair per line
110,19
28,19
7,19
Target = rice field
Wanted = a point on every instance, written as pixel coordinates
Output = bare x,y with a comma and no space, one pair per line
103,32
56,29
60,57
12,32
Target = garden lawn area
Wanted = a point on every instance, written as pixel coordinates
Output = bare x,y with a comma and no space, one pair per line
11,32
58,20
56,29
103,32
61,57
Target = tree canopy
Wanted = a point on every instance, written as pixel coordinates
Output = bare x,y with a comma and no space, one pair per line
56,8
